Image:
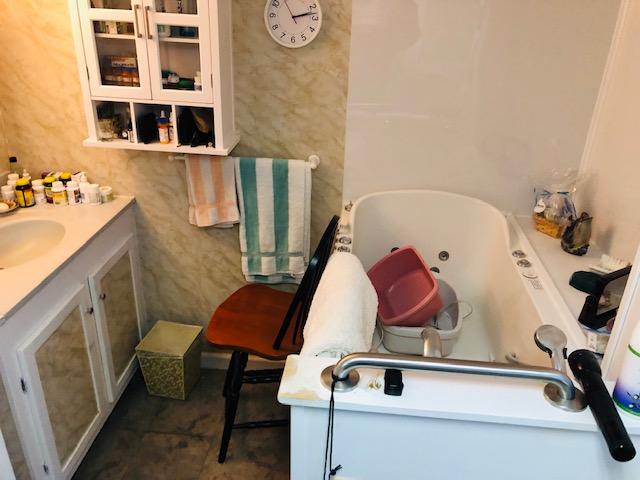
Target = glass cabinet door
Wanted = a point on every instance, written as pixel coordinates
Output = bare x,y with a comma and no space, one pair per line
179,50
114,35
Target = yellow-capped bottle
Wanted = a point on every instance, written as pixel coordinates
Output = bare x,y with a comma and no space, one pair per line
24,193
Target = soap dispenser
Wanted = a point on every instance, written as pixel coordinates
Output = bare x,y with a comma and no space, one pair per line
626,393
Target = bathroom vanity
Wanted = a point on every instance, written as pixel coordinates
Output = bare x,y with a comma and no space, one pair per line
71,315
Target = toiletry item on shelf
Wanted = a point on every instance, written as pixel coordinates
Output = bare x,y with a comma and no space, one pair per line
554,209
575,239
48,183
163,128
608,264
36,182
626,393
197,82
26,174
93,194
12,183
13,176
73,193
38,194
79,177
65,177
14,167
58,193
84,191
130,131
8,193
106,194
172,131
24,193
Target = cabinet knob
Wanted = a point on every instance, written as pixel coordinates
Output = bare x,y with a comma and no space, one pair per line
90,311
103,296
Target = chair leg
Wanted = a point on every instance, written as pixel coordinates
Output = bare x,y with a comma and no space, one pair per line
233,384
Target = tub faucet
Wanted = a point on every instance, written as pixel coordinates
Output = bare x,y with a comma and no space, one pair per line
432,343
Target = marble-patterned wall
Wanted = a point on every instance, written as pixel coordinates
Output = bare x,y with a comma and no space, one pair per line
289,103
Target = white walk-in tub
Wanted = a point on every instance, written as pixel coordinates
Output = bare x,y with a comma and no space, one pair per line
451,426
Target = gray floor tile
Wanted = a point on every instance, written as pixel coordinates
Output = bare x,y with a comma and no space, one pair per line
107,458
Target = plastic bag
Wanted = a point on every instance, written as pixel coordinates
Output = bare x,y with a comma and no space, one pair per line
554,209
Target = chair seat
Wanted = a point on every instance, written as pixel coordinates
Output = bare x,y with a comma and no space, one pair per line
249,320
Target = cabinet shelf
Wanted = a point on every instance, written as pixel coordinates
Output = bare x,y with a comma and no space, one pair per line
179,40
128,73
118,36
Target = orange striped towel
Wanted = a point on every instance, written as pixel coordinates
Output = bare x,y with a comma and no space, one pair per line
211,187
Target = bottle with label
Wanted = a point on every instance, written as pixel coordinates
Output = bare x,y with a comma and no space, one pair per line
626,393
38,194
163,128
8,193
24,193
65,177
73,193
47,182
58,193
13,165
172,123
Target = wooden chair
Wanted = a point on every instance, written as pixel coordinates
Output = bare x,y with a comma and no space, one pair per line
257,319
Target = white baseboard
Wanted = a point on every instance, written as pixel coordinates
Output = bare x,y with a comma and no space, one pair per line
220,361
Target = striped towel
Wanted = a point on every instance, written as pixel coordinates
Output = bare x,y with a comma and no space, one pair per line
212,191
275,207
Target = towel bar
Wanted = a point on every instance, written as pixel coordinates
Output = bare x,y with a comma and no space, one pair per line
313,160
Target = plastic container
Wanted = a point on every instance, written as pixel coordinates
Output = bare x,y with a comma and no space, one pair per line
106,194
92,196
448,323
8,193
24,193
58,193
407,290
38,194
626,393
48,183
73,193
169,357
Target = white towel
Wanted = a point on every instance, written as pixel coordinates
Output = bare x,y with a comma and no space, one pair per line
343,312
211,188
275,211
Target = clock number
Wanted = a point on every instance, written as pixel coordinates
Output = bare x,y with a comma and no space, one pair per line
312,29
272,15
275,27
275,3
313,6
283,35
293,39
314,18
304,39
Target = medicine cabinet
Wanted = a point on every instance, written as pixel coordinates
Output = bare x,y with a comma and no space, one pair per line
141,58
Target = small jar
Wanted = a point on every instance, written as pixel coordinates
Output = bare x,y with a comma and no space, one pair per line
26,175
48,183
73,193
38,194
106,194
58,193
13,176
93,194
12,183
24,193
8,193
36,183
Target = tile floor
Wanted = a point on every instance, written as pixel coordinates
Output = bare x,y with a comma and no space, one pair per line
155,438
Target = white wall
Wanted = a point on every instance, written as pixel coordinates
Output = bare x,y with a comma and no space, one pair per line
481,97
612,159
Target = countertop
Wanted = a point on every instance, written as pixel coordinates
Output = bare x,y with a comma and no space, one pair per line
81,223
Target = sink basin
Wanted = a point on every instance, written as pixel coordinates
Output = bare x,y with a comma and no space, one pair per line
23,241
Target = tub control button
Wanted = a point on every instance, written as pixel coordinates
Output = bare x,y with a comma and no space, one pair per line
518,254
529,273
344,240
524,263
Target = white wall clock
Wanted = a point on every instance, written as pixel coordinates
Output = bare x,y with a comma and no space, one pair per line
293,23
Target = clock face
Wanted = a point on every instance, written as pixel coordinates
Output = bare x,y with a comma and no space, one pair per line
293,23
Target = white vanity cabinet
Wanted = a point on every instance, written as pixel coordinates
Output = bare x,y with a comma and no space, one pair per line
68,351
142,57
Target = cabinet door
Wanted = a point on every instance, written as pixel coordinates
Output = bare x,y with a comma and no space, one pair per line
116,297
114,37
179,48
64,382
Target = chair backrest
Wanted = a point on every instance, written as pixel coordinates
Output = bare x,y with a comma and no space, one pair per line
304,295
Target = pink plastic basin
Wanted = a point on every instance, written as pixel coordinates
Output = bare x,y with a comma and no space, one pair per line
407,289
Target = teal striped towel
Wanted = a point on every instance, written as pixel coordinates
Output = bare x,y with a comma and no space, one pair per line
275,212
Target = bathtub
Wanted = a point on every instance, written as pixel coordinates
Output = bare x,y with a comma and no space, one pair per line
449,426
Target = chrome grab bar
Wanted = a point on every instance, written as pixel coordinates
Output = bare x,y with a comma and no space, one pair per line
559,389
